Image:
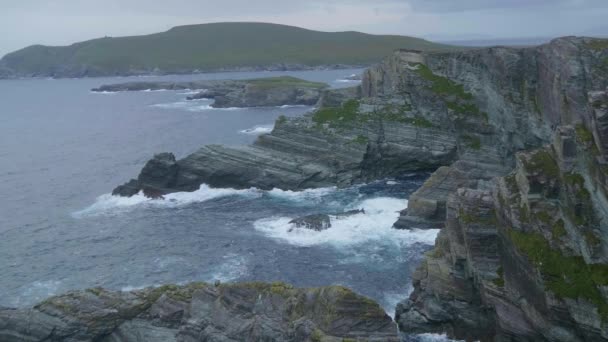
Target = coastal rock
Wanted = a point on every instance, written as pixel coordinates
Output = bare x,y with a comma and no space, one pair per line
264,92
316,222
522,257
202,312
319,222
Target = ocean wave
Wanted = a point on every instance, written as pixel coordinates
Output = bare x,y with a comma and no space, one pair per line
257,130
373,225
348,81
431,338
153,90
104,92
293,106
308,195
108,204
209,107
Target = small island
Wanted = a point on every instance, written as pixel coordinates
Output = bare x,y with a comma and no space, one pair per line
260,92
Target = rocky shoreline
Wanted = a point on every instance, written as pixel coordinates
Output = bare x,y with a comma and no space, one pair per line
202,312
263,92
519,142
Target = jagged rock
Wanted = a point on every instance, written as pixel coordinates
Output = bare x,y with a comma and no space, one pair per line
201,312
301,154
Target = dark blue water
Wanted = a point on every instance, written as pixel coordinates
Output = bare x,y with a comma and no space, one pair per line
63,148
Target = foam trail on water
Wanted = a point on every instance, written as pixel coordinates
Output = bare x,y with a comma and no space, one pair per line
108,204
257,130
309,195
373,225
293,106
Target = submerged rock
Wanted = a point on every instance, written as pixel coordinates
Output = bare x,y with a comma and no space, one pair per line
202,312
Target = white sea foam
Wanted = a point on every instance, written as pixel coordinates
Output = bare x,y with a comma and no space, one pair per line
233,268
293,106
435,338
209,107
348,81
308,195
111,205
257,130
154,90
104,92
373,225
108,204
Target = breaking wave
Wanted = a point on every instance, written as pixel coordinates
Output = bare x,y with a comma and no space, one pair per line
257,130
108,204
373,225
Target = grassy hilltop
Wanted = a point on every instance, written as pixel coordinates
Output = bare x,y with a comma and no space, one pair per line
208,47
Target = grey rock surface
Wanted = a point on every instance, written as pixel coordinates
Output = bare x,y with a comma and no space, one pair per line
202,312
269,92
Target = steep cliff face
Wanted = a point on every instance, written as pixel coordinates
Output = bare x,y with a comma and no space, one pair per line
496,101
524,257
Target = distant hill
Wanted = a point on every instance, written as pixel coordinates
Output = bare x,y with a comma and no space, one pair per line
208,47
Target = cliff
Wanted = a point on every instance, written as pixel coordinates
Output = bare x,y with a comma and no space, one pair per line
524,257
518,138
202,312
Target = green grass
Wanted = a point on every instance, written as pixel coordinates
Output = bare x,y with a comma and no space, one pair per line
542,161
345,114
361,140
566,276
442,85
472,142
286,81
598,44
500,281
458,99
210,47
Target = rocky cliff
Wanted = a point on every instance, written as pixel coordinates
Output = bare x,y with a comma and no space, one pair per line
202,312
523,257
518,138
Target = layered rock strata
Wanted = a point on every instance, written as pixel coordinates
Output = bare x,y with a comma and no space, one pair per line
524,257
202,312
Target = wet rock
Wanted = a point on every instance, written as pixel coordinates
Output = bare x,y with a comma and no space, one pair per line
317,222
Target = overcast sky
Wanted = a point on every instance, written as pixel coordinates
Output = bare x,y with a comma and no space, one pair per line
60,22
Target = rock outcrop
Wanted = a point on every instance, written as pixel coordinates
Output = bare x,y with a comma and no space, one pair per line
524,257
202,312
319,222
264,92
518,138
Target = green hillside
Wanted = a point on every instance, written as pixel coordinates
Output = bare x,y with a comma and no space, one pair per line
208,47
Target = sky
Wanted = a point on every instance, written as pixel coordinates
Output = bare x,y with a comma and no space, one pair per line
62,22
